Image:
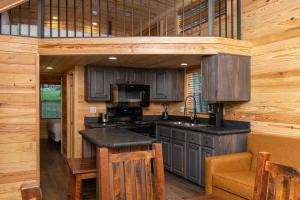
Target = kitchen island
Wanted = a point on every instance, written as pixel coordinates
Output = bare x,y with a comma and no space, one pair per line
116,140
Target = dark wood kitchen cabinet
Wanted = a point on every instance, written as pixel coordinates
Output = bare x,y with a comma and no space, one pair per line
166,148
97,83
226,77
137,76
178,157
167,85
193,156
184,151
129,76
121,75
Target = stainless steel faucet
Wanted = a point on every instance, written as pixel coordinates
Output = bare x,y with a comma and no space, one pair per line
193,114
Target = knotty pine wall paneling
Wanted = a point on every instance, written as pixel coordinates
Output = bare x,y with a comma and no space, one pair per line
19,114
274,28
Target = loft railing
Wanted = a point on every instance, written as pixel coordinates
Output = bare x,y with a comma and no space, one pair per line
123,18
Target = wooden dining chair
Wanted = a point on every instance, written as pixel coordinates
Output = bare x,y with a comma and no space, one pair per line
130,176
30,191
274,181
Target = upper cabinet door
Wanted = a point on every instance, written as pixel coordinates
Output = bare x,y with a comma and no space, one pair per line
159,85
167,85
137,76
121,75
97,83
226,77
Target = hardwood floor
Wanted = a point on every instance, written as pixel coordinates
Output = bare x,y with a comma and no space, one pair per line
54,177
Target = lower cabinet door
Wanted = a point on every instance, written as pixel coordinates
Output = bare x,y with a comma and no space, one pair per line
193,153
205,152
166,148
178,158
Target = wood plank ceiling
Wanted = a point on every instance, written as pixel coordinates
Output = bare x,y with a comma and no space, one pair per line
8,4
60,64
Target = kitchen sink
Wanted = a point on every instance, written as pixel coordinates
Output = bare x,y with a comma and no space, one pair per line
188,124
178,123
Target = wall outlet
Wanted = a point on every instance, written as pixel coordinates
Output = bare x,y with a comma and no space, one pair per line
93,110
181,109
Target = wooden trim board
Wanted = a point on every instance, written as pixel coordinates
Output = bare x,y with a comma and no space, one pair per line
143,45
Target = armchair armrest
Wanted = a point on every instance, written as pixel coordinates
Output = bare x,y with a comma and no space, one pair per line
225,163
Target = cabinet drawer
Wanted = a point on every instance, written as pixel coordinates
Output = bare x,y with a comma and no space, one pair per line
208,141
163,131
179,134
193,137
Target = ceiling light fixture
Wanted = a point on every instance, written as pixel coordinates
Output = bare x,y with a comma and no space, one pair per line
112,58
55,18
49,68
183,64
94,24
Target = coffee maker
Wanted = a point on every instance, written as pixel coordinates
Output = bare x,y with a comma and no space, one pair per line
215,111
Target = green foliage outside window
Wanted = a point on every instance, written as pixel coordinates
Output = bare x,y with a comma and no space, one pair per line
50,101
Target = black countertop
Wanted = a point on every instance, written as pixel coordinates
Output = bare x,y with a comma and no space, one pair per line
230,126
115,137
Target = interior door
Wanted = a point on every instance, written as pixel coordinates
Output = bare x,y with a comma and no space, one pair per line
67,115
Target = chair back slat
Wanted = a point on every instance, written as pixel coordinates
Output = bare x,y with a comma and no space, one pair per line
138,179
128,179
285,192
129,176
271,176
148,179
261,177
297,189
272,187
159,175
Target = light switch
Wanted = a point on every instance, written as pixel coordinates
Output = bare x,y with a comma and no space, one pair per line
93,109
182,109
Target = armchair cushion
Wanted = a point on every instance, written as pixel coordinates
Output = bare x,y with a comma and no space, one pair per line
240,183
225,163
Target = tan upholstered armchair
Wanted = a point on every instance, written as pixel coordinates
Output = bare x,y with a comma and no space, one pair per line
232,176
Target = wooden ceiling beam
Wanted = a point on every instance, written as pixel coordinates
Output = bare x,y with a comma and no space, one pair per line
143,45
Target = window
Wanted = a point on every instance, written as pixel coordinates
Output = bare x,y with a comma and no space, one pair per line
50,101
194,81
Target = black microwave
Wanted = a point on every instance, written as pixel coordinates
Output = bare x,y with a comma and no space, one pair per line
130,94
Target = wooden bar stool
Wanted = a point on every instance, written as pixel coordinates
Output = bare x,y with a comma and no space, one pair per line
81,169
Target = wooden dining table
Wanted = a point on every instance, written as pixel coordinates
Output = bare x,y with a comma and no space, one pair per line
116,140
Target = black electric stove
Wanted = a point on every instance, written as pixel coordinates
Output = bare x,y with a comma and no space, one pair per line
130,118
